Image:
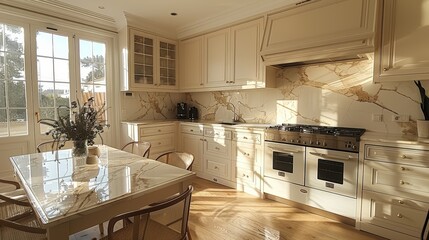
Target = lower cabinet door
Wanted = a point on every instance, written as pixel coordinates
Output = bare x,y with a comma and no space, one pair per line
395,213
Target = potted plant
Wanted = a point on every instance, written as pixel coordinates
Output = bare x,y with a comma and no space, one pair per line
81,124
423,125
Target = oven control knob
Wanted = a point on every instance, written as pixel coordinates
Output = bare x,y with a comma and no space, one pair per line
311,142
291,141
325,144
317,142
354,147
298,141
304,142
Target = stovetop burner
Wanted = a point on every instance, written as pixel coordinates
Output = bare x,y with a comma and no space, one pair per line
339,138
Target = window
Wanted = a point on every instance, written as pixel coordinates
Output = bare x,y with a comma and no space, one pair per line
52,74
13,93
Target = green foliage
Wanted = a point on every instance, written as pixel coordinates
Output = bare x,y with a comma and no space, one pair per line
83,124
424,105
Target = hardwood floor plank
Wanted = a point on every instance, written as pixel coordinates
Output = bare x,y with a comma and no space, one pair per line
219,212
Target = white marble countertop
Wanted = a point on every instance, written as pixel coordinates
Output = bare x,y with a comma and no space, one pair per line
59,185
393,138
205,122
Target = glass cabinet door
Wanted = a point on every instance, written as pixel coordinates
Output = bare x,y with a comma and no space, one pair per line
167,63
143,55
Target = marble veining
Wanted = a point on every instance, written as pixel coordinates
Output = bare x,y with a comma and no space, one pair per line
59,185
332,94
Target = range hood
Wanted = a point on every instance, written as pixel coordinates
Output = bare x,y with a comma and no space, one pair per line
347,58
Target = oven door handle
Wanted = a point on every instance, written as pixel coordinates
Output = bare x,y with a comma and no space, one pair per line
283,150
331,156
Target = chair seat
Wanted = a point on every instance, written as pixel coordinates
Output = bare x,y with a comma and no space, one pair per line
15,234
155,231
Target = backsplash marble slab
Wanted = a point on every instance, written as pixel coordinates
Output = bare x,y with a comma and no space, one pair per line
334,94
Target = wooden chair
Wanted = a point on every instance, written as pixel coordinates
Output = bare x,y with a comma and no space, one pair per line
46,146
178,159
144,227
138,148
17,220
425,230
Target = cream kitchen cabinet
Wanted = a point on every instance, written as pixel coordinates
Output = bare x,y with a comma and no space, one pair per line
247,158
162,136
191,64
311,30
191,141
149,62
395,196
403,33
230,60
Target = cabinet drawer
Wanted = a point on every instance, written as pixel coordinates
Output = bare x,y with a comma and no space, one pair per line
244,173
192,129
245,154
219,147
390,178
247,137
160,143
397,155
216,168
395,213
149,131
217,133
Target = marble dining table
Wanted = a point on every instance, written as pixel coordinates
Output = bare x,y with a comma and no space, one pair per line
69,195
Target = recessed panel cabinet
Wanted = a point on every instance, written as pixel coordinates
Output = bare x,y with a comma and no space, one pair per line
402,51
191,66
148,62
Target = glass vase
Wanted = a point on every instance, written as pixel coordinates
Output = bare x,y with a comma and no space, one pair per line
80,148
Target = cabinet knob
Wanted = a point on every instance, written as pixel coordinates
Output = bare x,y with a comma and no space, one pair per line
191,130
401,182
399,215
244,137
217,148
400,202
216,167
385,69
159,130
201,84
403,156
403,169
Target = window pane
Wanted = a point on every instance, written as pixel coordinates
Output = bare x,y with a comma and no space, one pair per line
46,113
86,72
44,44
62,91
2,94
99,73
61,70
18,122
13,112
2,66
99,49
46,94
3,123
45,69
61,47
1,37
16,93
85,49
15,66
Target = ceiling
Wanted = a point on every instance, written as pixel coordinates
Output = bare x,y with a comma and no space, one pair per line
189,12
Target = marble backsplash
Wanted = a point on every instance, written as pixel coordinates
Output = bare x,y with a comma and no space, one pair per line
335,94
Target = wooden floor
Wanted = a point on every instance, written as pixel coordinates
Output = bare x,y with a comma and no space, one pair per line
219,212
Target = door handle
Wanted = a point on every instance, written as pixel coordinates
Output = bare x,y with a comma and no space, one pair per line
331,156
284,151
37,116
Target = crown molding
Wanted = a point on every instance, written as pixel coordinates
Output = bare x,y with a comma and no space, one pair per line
252,10
54,8
149,26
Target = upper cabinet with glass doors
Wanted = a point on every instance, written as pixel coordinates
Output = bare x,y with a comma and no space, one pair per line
148,62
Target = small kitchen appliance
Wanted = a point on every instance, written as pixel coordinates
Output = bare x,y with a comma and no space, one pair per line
182,109
193,113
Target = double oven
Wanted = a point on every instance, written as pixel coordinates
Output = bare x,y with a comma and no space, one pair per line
314,157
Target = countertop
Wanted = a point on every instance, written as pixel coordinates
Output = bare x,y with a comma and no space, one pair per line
205,122
393,138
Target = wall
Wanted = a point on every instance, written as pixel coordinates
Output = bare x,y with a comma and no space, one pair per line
340,94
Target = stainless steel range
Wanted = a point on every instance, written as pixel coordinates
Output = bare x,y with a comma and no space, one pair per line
337,138
317,165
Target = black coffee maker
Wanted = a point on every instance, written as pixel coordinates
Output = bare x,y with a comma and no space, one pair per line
182,110
193,113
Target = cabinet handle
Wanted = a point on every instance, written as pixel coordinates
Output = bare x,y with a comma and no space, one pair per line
201,139
216,167
404,156
201,84
385,69
245,137
400,202
217,148
191,130
159,130
401,182
399,215
244,175
159,143
403,169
